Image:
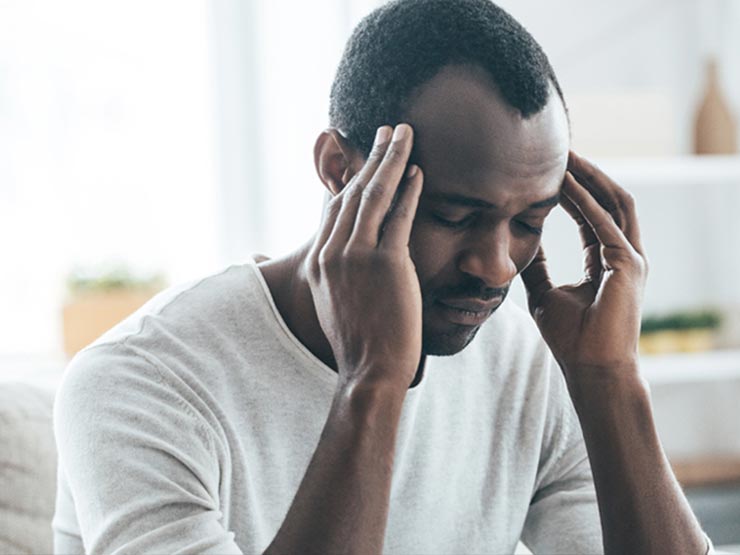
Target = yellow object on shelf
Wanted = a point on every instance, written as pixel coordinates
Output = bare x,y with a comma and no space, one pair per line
88,315
677,341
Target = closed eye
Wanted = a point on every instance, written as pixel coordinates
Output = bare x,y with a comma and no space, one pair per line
455,224
529,228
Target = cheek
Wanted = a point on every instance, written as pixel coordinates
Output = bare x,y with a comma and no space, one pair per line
525,252
430,250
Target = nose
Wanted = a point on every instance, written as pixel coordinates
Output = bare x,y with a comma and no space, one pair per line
489,259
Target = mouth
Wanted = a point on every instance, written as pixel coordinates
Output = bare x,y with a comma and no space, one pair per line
468,312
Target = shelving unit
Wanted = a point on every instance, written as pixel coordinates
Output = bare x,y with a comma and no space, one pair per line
709,366
679,171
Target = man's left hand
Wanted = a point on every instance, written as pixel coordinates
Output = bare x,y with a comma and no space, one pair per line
593,327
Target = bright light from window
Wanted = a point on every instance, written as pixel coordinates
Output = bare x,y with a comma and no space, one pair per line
106,151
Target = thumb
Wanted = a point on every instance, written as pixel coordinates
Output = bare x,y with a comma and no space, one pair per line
536,280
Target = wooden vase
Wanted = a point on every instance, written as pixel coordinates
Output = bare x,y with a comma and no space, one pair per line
715,130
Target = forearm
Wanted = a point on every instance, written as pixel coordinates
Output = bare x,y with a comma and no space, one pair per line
641,505
342,503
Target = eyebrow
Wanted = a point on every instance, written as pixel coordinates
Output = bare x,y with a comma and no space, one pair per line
462,200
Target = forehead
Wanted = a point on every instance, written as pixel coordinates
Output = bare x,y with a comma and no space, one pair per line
468,140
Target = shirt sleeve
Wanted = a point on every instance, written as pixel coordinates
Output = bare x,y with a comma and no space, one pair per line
563,515
136,459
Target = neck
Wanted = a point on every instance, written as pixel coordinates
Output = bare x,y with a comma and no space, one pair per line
287,280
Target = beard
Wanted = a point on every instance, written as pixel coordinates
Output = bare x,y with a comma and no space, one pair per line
444,338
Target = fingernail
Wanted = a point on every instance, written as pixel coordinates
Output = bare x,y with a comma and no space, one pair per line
400,132
382,135
411,171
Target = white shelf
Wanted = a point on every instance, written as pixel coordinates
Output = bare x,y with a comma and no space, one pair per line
706,366
673,171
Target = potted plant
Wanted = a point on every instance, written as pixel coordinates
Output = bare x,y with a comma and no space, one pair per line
688,331
99,298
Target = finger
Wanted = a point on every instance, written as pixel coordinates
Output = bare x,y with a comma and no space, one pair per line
397,228
345,220
536,280
351,194
379,192
591,247
603,225
614,198
601,186
380,145
327,225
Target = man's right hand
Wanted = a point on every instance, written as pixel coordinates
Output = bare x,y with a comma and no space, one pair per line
363,282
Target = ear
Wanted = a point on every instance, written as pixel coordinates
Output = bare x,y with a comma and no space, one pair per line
336,160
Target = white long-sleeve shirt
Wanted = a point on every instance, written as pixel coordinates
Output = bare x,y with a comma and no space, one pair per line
190,425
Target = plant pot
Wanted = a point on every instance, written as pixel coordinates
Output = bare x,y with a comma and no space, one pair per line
677,341
88,315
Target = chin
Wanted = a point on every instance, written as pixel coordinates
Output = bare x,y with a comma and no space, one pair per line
449,342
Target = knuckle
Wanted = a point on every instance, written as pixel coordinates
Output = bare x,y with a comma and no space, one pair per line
354,190
377,152
352,260
627,201
636,261
379,259
325,260
401,212
644,265
355,259
373,191
312,261
589,172
314,272
394,154
352,184
335,203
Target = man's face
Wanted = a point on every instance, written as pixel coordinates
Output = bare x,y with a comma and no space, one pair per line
490,180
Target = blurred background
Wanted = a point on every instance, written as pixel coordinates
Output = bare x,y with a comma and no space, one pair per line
146,143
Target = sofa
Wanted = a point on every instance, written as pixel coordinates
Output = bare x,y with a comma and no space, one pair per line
27,468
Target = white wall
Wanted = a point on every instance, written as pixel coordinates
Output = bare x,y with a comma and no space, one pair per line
650,51
638,46
658,48
105,151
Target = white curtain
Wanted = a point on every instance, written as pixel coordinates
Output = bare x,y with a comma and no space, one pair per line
106,151
173,136
274,64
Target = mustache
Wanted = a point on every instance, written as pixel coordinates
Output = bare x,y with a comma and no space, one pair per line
471,290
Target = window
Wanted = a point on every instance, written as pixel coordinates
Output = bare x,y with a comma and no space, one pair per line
106,151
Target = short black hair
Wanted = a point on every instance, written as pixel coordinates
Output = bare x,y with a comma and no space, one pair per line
404,43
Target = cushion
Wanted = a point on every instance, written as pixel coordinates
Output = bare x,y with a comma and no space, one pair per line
27,468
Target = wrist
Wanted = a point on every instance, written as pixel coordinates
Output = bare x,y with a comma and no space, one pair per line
368,399
593,388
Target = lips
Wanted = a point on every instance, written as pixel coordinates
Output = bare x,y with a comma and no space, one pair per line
472,305
468,312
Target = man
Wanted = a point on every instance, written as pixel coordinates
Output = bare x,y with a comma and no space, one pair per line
372,392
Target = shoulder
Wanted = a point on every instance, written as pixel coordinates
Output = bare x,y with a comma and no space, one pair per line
112,395
184,308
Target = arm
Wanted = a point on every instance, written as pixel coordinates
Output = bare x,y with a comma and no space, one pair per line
642,506
592,328
143,471
342,503
368,302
